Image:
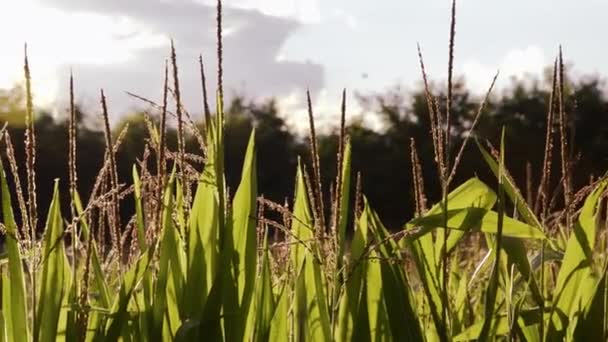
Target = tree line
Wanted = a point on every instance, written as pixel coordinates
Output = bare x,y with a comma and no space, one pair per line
381,156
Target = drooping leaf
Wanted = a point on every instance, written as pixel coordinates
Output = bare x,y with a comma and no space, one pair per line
479,219
426,250
515,249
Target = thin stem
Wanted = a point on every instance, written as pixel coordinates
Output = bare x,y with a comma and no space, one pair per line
30,153
444,252
114,217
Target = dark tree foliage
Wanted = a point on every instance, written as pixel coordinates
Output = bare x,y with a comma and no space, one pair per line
382,157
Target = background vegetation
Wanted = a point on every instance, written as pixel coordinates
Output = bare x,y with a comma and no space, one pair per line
381,158
184,233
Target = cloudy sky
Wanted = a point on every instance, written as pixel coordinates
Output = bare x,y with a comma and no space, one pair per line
278,48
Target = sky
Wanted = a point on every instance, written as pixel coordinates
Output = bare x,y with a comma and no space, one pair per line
280,48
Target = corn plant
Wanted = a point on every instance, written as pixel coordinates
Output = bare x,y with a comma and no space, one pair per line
197,263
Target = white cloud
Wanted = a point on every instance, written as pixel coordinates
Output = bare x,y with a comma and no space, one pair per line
303,11
57,38
326,106
347,18
516,63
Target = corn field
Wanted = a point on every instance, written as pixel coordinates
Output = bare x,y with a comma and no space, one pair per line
197,262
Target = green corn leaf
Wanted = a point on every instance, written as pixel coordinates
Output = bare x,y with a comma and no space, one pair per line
461,302
170,278
143,245
593,324
501,325
225,305
302,227
14,300
52,289
262,307
478,219
576,279
493,285
223,316
515,249
400,305
119,314
512,191
472,193
350,300
316,311
426,250
379,326
244,236
280,327
67,324
203,233
312,312
99,277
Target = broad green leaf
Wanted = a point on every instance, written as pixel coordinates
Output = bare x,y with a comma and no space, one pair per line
14,300
170,278
312,312
132,278
501,325
493,285
316,315
515,249
280,325
203,234
592,325
302,226
67,326
512,191
379,326
576,279
99,277
472,193
479,219
517,255
350,300
262,306
244,236
426,251
52,287
400,305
